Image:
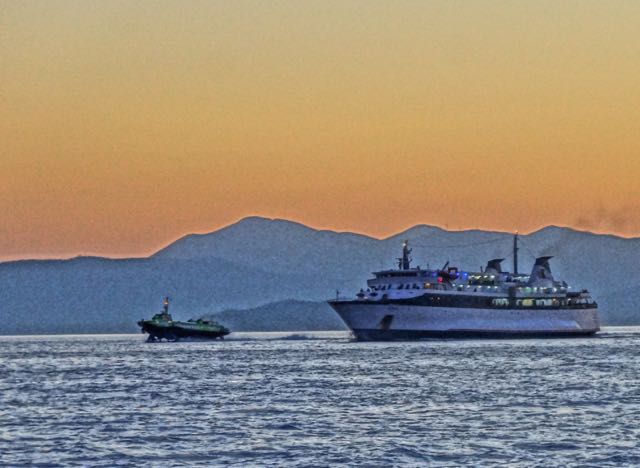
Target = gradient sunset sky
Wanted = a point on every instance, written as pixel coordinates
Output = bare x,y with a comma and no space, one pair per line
126,124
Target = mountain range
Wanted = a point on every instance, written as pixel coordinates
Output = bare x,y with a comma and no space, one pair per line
272,269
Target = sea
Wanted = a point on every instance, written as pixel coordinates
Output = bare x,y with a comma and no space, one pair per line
320,399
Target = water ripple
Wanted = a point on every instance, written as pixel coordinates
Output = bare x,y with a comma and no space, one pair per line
317,400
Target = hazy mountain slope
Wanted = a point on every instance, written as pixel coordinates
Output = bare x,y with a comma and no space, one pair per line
282,316
282,246
108,296
260,261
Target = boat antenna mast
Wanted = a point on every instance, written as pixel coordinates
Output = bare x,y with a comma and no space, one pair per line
515,253
404,263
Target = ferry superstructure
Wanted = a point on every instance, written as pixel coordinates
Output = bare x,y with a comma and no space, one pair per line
413,303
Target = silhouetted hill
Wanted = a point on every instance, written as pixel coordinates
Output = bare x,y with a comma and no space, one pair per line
282,316
108,296
260,261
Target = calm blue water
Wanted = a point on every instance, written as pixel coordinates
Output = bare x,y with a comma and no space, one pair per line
268,399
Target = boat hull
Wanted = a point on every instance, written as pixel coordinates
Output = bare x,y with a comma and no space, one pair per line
174,333
383,322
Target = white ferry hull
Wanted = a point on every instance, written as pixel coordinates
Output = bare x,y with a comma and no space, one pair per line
369,321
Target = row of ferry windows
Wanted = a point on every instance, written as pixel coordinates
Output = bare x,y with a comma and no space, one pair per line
400,286
503,301
459,287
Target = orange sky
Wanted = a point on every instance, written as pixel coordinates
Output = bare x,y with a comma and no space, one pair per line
125,124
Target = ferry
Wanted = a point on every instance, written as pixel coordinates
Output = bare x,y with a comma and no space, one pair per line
413,303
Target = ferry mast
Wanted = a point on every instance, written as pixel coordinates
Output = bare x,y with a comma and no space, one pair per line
515,254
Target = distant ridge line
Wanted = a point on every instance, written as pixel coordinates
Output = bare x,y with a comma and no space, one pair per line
266,221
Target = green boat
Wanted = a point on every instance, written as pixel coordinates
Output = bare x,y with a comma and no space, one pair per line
163,327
